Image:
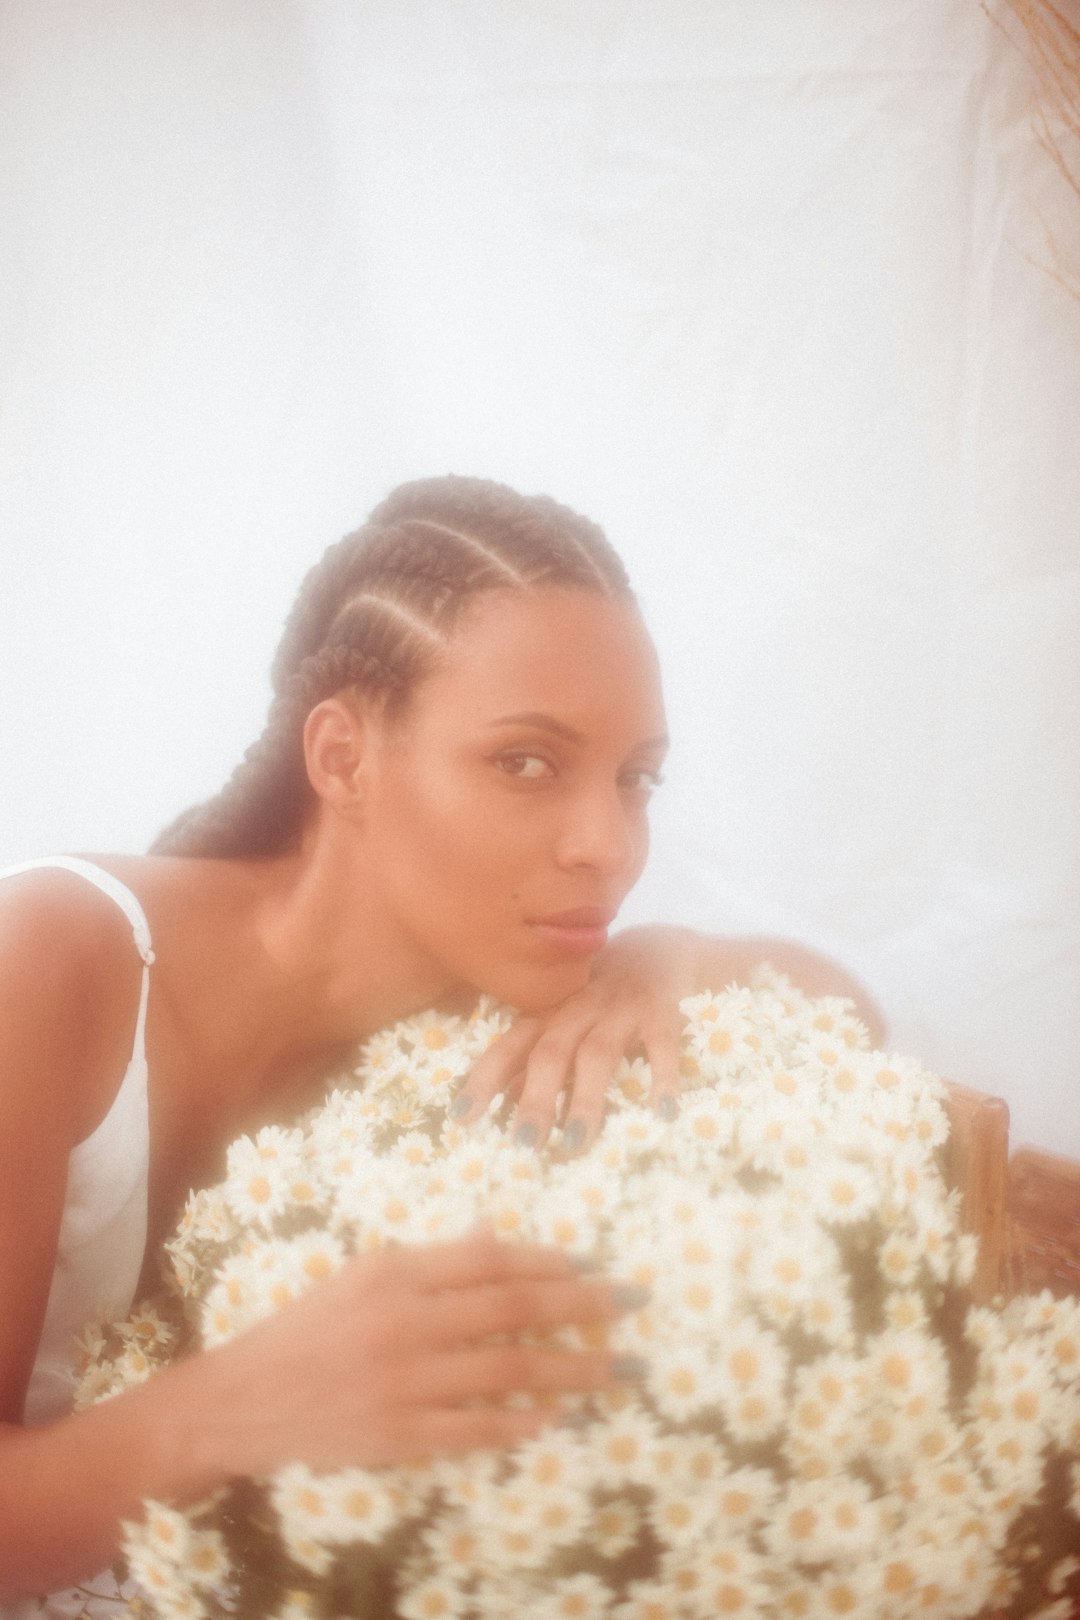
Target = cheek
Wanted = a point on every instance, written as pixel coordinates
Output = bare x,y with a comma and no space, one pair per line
462,844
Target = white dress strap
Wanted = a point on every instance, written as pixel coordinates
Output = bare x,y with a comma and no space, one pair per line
102,880
123,897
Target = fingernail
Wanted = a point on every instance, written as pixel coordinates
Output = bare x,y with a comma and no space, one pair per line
631,1296
573,1137
628,1369
460,1106
581,1262
667,1107
525,1135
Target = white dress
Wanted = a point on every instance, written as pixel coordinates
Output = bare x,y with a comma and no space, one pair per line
102,1237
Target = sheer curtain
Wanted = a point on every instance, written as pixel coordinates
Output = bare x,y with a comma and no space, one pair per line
763,289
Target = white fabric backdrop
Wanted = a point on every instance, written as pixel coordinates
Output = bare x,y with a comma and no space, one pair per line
759,287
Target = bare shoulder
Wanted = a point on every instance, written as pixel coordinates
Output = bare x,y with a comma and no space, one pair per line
69,979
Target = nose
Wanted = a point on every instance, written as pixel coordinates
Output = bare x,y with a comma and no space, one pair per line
605,832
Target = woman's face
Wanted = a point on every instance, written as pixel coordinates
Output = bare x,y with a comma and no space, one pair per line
505,817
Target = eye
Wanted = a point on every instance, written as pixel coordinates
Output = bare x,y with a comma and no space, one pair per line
526,767
641,780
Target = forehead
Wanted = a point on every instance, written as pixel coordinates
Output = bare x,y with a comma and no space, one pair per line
583,658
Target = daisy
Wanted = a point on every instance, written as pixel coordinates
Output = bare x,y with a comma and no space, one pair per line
154,1574
742,1499
735,1594
304,1504
453,1544
565,1222
562,1516
842,1192
257,1191
555,1461
631,1081
789,1262
899,1259
905,1308
850,1526
181,1605
635,1132
648,1600
359,1507
429,1032
574,1597
145,1327
166,1533
624,1446
309,1553
702,1131
435,1599
316,1256
682,1381
296,1605
1064,1352
751,1369
413,1148
828,1311
702,1461
613,1527
208,1559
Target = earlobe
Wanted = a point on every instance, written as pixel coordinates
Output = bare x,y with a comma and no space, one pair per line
336,746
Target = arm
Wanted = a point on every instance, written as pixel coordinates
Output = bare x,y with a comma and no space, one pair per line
632,1000
379,1364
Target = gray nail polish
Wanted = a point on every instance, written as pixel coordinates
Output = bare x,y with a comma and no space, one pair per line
460,1106
631,1296
667,1108
629,1369
581,1262
526,1134
573,1136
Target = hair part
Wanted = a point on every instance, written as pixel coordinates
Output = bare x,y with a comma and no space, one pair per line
376,615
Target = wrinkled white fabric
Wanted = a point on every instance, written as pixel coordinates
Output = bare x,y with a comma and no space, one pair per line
102,1233
766,289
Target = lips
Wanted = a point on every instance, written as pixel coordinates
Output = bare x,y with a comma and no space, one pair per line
581,917
580,932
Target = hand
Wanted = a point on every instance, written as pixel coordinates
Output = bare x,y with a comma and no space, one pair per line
632,1000
384,1362
568,1056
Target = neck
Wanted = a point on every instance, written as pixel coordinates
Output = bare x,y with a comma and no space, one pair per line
343,968
293,962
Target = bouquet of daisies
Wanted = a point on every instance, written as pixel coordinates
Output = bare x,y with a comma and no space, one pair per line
825,1428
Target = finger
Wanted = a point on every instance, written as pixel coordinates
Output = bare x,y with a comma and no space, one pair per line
479,1428
547,1071
464,1315
489,1371
595,1062
474,1261
497,1070
662,1040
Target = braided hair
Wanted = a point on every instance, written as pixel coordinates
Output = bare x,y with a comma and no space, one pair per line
375,614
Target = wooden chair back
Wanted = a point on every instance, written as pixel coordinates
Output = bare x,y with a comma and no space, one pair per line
1044,1222
977,1165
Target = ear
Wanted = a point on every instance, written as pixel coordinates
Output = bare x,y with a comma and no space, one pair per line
338,744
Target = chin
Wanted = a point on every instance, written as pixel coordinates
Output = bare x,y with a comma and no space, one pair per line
539,992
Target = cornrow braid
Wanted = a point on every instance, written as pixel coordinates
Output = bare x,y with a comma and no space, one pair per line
375,614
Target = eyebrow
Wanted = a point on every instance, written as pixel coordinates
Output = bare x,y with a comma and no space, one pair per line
559,728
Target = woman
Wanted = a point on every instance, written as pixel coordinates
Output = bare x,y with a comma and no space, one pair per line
450,796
